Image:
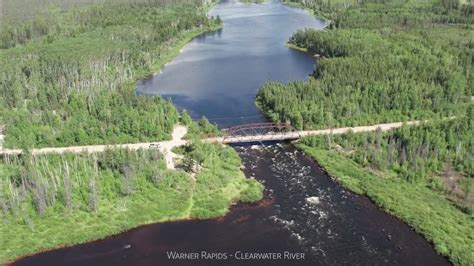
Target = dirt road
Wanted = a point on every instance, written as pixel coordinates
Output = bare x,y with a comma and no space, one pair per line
299,134
164,146
180,131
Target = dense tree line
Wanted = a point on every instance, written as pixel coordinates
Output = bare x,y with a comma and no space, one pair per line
73,82
71,181
417,154
385,61
377,72
405,14
376,14
323,8
50,21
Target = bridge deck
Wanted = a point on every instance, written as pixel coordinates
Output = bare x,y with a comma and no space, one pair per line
269,136
299,134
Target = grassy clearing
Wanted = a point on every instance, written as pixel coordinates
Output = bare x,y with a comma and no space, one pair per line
219,183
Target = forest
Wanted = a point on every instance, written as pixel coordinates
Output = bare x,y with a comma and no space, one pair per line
321,8
68,78
41,197
431,153
379,68
387,61
422,174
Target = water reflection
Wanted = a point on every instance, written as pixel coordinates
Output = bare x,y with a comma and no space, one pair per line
218,74
339,228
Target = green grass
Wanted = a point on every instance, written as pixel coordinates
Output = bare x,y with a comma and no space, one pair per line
62,228
428,212
220,183
23,231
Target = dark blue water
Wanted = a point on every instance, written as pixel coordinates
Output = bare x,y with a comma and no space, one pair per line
218,74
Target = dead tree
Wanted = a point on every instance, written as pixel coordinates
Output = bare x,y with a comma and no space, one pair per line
157,176
94,195
67,192
127,180
3,200
39,196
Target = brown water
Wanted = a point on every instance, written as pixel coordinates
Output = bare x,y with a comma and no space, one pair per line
217,75
343,229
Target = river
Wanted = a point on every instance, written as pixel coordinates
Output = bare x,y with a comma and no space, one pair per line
217,75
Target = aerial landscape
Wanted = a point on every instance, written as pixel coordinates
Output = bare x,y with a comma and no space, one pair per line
236,132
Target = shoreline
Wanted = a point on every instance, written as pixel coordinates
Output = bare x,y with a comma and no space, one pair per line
310,11
173,51
326,160
184,215
187,218
297,48
363,194
359,183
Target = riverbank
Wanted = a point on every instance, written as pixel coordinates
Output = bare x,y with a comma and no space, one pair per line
105,57
429,213
411,173
98,195
129,189
311,11
298,48
175,48
301,6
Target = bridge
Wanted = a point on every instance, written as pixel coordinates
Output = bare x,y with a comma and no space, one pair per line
256,132
259,132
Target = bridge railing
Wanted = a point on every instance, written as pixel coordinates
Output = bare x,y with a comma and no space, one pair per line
258,131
